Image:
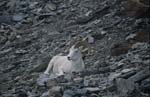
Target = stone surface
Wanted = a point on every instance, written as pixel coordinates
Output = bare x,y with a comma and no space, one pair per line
17,18
33,31
125,87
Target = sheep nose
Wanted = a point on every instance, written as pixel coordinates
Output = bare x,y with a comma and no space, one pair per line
69,58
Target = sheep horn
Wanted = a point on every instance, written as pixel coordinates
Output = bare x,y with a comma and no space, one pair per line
83,44
80,44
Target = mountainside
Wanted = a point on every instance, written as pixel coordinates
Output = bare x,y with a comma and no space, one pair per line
33,31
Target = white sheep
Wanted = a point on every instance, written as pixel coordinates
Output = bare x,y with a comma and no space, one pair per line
73,62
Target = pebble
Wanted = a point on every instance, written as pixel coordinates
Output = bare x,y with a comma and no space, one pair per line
17,18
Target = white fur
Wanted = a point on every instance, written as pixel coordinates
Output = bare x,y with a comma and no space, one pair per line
62,64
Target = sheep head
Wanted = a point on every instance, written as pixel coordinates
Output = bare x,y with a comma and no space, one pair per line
76,49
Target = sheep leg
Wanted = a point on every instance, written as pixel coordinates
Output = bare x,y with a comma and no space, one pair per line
48,68
60,72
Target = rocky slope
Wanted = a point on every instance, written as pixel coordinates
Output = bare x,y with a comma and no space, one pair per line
32,31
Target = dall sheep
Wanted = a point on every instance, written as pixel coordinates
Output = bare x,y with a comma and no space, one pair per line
73,62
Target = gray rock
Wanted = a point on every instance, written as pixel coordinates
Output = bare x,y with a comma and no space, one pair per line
45,94
50,6
78,80
43,78
131,36
55,91
143,74
17,18
86,81
113,76
81,91
5,19
22,94
124,86
103,32
145,85
90,39
68,93
127,70
92,89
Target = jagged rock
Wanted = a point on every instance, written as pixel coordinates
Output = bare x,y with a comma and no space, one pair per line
103,32
41,81
55,91
127,75
5,19
45,94
131,36
90,39
143,74
92,89
50,6
120,48
78,80
68,93
22,94
145,86
118,65
124,86
127,70
81,91
137,7
97,36
114,75
138,37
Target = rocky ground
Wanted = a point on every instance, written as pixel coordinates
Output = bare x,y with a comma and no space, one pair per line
33,31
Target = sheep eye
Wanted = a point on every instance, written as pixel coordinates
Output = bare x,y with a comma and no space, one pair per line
76,51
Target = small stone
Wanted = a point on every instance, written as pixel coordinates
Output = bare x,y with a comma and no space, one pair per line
131,36
138,45
94,95
5,19
21,51
96,62
51,83
22,94
68,93
86,82
88,13
17,18
56,90
81,91
113,76
103,32
92,89
32,5
90,39
45,94
145,86
18,36
127,70
51,6
78,80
